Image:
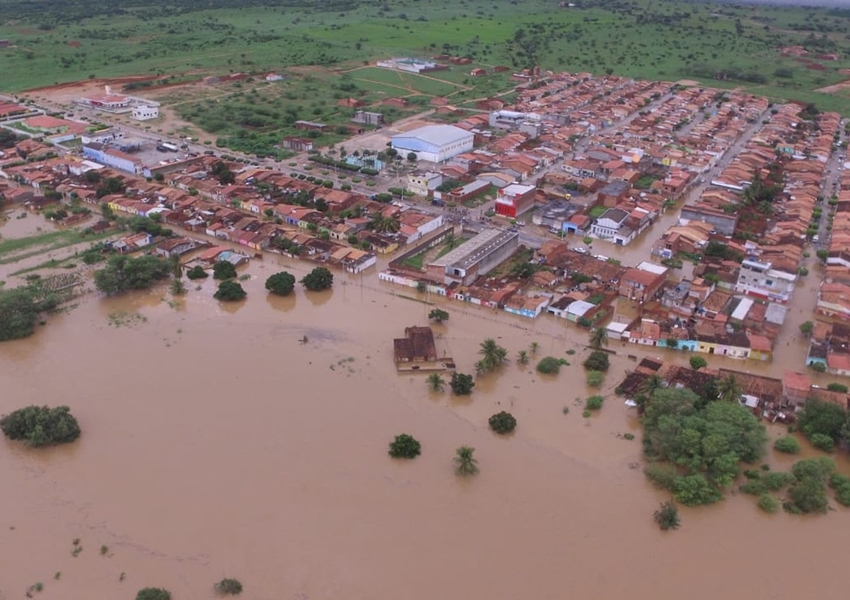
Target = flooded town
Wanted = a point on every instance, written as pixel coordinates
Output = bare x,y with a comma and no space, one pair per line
649,223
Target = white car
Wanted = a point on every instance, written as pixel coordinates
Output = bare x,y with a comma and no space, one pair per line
580,250
601,257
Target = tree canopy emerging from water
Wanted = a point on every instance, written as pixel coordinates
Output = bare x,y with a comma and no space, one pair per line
318,279
705,446
125,273
41,426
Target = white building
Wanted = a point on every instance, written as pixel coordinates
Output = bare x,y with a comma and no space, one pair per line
435,143
611,226
145,112
760,280
422,183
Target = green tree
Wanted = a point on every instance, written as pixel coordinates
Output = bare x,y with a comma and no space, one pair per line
281,284
594,403
824,418
729,389
595,378
224,270
502,422
533,347
405,446
228,587
124,273
436,382
153,594
597,361
806,328
667,516
41,426
20,308
492,355
768,503
197,272
461,384
522,357
384,224
230,291
549,365
837,387
439,315
787,445
808,493
318,279
695,490
822,442
598,338
698,362
465,462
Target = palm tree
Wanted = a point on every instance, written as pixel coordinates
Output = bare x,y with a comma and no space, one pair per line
383,224
493,354
534,347
435,382
466,464
650,384
522,357
598,338
730,390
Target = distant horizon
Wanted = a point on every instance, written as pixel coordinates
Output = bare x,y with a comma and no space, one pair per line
812,3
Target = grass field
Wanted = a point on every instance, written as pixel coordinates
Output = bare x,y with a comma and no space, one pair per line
719,44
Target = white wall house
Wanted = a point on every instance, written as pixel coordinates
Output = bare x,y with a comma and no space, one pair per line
145,112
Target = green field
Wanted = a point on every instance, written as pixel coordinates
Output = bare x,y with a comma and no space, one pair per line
720,44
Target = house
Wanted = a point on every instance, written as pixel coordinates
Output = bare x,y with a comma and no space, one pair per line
298,144
641,286
310,126
514,200
761,280
417,345
176,246
145,112
423,183
475,257
365,117
609,224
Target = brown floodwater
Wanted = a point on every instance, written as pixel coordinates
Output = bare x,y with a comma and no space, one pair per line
215,444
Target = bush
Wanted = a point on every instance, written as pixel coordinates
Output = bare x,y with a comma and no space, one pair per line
595,378
405,446
822,442
41,426
597,361
594,403
153,594
230,291
502,422
20,308
549,365
439,315
787,445
281,283
461,384
808,492
695,490
228,587
667,516
837,387
822,418
197,272
318,279
768,503
224,270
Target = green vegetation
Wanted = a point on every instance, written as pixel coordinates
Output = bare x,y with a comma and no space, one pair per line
318,279
41,426
502,422
787,445
461,384
594,403
807,327
550,365
667,516
405,446
595,378
197,272
228,587
20,307
597,361
230,291
824,422
841,484
153,594
224,270
465,462
125,273
492,356
807,493
768,503
281,284
435,382
522,357
698,362
703,444
598,337
837,387
439,315
17,249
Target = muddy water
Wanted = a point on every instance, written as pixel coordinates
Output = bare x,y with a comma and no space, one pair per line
216,445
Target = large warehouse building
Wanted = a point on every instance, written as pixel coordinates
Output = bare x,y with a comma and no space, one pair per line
435,143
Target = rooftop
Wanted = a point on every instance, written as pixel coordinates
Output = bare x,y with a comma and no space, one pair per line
437,134
468,253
